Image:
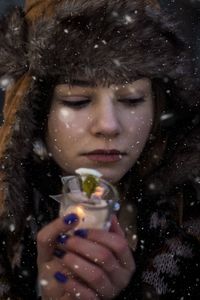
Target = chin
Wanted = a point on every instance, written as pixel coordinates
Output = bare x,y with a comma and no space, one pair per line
110,175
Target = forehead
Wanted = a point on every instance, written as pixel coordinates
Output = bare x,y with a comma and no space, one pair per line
143,84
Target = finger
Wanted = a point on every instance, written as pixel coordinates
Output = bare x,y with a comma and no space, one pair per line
90,274
47,236
100,256
115,226
58,282
116,243
69,288
48,285
93,252
79,291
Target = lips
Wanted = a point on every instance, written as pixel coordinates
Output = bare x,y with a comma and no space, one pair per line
101,155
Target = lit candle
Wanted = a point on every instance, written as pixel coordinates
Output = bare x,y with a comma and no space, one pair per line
90,197
92,213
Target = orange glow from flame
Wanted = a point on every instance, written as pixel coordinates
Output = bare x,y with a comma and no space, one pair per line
98,191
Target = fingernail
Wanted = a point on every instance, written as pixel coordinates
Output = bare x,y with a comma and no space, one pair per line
59,253
62,238
83,233
70,219
60,277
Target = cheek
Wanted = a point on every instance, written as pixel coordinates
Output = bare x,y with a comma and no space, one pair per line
65,118
62,120
141,123
139,129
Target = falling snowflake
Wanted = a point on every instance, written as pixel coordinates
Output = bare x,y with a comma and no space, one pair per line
25,273
166,116
117,62
43,282
134,237
78,295
115,14
152,186
76,267
129,208
5,82
12,227
128,19
48,267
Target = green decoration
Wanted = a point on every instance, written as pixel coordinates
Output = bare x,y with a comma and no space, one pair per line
89,184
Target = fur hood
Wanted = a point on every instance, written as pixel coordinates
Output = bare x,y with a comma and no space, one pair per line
104,41
111,41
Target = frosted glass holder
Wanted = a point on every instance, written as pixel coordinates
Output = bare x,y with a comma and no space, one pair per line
95,208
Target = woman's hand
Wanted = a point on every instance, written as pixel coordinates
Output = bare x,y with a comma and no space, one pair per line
92,264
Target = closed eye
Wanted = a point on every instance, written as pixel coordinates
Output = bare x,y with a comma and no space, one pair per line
76,104
131,101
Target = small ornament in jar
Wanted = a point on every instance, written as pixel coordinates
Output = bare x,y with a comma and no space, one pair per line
89,196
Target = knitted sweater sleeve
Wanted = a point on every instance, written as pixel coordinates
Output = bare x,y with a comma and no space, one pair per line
173,265
168,252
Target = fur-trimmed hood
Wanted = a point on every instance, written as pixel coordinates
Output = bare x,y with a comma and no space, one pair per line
111,41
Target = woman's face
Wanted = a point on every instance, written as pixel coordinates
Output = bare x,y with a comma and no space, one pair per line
105,128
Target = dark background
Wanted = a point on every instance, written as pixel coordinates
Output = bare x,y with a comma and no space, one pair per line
187,11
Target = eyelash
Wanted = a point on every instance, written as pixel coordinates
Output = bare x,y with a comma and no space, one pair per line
131,101
76,104
83,103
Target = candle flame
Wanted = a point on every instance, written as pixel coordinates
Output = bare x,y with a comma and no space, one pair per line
80,212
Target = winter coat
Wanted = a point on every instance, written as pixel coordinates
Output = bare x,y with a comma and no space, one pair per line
167,254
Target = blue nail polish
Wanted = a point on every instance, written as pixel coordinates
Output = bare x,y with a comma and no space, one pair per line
70,219
62,238
60,277
83,233
59,253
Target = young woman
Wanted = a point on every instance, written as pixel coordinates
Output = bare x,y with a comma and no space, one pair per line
107,85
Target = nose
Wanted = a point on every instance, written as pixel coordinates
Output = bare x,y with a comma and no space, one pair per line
106,121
